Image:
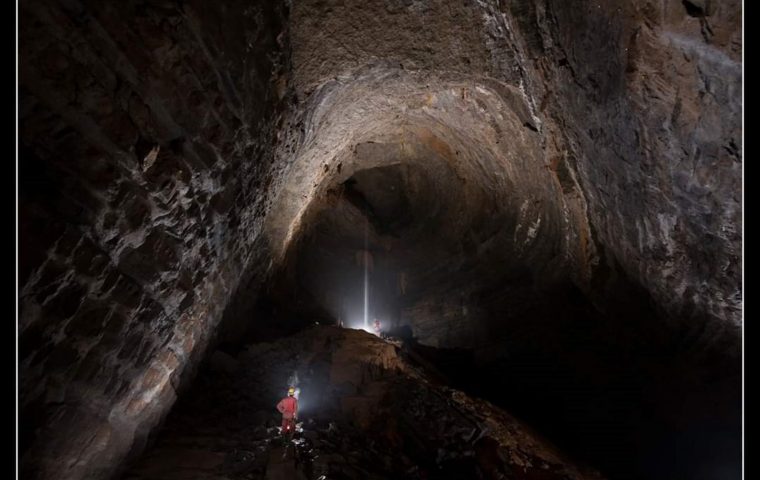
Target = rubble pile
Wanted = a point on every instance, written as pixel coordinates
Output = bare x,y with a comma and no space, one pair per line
365,411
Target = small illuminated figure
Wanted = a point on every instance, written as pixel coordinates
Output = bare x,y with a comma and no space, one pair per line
288,407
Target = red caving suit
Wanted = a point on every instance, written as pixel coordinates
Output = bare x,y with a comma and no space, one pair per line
288,407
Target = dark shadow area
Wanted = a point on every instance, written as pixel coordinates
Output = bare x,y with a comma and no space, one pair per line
649,411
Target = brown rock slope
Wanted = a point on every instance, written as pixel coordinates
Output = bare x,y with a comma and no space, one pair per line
367,411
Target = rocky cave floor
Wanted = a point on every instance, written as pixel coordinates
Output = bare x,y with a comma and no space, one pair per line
369,409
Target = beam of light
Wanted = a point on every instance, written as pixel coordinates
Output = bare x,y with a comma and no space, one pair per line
366,278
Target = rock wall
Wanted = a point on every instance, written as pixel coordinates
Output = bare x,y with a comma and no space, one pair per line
647,97
145,150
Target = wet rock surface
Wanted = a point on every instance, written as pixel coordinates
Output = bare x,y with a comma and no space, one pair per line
367,410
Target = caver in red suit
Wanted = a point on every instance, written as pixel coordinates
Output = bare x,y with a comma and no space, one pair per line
288,407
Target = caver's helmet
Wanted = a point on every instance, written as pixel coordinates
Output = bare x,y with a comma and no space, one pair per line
291,391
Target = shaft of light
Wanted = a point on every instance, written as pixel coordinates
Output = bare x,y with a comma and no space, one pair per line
366,279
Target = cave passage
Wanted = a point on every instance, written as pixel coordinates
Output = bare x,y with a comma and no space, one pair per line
537,201
608,393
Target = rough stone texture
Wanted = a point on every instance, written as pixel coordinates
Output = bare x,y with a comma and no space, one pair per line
538,178
656,139
145,137
628,106
366,410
